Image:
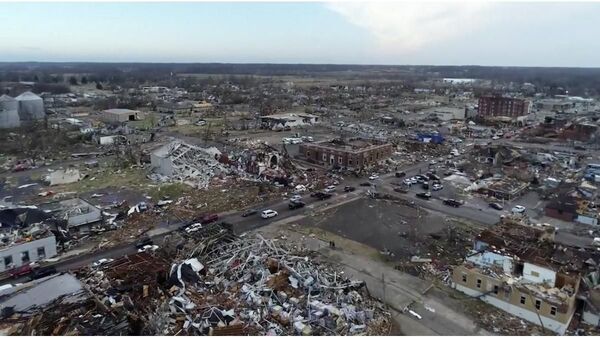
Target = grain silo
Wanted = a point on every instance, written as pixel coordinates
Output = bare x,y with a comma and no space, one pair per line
31,107
9,112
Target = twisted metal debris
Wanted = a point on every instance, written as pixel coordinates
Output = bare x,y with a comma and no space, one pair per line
256,286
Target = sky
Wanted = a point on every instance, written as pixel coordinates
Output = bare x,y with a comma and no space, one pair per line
392,33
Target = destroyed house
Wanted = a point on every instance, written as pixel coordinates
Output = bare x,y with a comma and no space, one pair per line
187,163
22,248
352,154
79,214
564,208
287,120
517,269
505,189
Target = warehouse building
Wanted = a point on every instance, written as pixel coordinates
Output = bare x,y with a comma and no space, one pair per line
121,115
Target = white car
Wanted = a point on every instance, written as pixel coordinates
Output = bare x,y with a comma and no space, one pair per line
518,209
374,177
148,248
330,189
295,198
408,181
496,137
193,228
437,187
300,188
432,162
102,261
268,213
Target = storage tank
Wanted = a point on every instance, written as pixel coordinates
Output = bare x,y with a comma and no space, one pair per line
9,112
31,107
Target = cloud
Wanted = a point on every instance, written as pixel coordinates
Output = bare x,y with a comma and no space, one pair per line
407,27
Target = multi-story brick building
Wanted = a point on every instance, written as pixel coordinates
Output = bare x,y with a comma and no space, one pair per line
517,269
502,106
351,154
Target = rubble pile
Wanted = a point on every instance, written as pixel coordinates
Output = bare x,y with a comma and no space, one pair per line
187,163
255,286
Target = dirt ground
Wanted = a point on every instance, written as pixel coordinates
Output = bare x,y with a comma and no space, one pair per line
380,224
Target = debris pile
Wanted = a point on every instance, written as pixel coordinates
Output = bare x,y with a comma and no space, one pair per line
257,287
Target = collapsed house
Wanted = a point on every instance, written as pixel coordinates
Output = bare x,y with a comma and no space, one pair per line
24,238
255,286
78,214
517,269
218,284
187,163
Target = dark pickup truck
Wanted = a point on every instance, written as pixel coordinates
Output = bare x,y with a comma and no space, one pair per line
143,242
452,203
296,205
321,195
43,272
424,195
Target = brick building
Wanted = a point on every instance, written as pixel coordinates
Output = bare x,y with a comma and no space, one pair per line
352,154
502,106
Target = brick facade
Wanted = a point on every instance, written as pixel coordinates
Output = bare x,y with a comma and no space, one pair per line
502,106
326,153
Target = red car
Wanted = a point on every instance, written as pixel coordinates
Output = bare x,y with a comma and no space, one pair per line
21,271
207,218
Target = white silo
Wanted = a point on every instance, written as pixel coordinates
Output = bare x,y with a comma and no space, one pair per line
9,112
31,107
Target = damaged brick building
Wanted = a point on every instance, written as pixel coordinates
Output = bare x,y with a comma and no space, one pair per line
352,154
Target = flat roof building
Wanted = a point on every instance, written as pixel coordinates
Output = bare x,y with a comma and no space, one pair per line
493,106
352,154
121,115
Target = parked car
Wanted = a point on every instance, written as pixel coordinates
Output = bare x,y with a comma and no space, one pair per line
102,261
400,174
295,198
322,195
518,209
249,212
496,206
420,178
452,203
300,188
20,271
374,177
148,248
43,272
207,218
296,204
365,184
143,242
268,213
349,188
433,176
424,195
193,228
437,186
329,189
425,185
